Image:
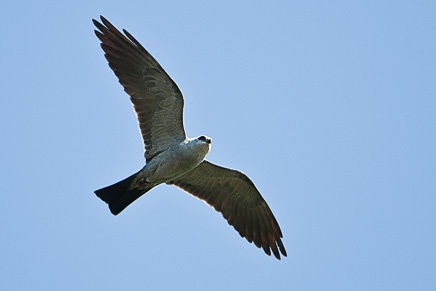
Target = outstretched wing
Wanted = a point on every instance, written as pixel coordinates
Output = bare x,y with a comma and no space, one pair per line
234,195
157,101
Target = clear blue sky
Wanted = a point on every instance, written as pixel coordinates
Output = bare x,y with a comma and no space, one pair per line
328,106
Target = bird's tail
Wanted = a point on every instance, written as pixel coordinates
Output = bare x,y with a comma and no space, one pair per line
119,195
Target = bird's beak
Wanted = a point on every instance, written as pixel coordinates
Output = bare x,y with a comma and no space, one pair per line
209,140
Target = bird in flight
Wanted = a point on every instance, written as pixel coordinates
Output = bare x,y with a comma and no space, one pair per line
173,158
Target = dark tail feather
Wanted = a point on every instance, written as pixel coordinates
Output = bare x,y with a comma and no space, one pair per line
118,196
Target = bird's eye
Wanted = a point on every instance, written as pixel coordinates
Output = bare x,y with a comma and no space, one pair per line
202,138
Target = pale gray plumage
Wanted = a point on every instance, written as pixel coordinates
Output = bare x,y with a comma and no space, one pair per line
171,157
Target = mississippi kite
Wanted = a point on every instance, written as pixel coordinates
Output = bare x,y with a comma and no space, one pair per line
170,156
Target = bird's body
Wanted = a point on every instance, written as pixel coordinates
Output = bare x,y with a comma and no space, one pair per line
163,168
171,157
176,161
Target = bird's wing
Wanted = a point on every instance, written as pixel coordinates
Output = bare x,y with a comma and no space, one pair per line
157,101
234,195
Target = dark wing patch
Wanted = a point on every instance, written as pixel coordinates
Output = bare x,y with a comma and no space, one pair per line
157,101
234,195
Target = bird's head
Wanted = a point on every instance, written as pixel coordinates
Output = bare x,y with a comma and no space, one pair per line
203,142
201,145
205,139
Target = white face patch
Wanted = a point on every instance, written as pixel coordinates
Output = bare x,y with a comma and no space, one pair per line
201,145
205,139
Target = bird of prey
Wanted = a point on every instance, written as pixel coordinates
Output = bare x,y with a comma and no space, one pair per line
170,156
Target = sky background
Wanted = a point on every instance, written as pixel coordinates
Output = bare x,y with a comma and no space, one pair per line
328,106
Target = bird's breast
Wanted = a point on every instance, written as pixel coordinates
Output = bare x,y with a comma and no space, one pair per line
173,163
